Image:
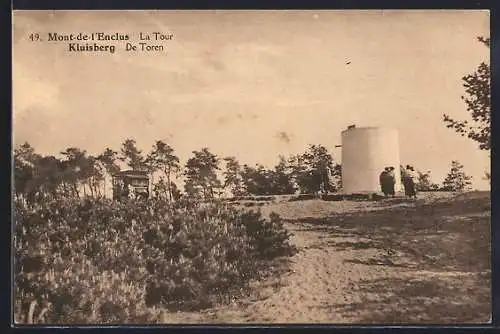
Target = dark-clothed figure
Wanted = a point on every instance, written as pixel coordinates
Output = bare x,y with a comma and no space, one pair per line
391,181
383,182
409,182
387,182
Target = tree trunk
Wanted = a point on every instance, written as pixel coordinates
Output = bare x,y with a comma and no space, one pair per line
102,187
75,190
211,189
90,187
169,186
65,188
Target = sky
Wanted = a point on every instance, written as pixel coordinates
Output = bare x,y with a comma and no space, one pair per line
251,84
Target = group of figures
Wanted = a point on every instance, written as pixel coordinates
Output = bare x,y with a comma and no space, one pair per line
388,181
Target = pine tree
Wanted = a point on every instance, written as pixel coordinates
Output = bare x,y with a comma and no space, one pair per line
132,155
232,177
424,182
201,177
457,180
162,158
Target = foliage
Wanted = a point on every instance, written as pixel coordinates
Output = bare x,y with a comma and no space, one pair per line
132,155
81,258
200,173
75,174
160,189
162,158
175,191
260,181
108,161
478,101
457,180
313,170
282,178
79,170
25,160
337,177
424,182
98,261
256,180
310,172
233,178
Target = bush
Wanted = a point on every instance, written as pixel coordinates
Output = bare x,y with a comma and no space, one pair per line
252,198
99,261
303,197
332,197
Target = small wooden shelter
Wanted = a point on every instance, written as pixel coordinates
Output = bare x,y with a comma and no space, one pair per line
130,183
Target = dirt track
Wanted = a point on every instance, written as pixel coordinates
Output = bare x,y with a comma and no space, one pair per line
367,262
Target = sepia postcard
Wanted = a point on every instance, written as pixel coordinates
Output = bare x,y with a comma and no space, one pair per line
251,167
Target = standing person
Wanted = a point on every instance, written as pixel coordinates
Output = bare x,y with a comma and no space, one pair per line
414,179
383,179
409,182
391,179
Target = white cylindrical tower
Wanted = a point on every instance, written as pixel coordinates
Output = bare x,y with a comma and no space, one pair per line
366,151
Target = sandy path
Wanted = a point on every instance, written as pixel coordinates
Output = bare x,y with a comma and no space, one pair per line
318,277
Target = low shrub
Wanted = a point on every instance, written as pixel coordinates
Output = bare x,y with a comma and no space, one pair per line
302,197
265,199
99,261
332,197
252,198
